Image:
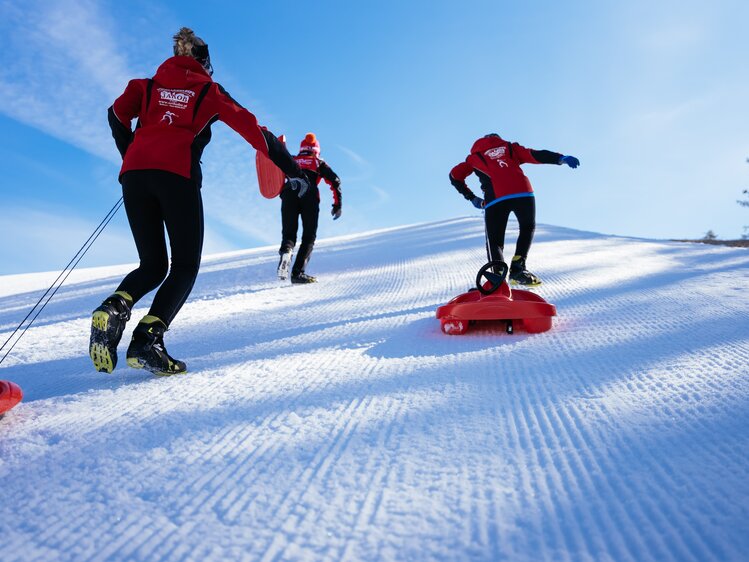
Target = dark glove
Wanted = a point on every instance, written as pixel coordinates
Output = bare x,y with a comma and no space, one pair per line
571,161
300,185
478,202
336,212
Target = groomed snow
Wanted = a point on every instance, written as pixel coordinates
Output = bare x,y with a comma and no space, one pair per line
336,422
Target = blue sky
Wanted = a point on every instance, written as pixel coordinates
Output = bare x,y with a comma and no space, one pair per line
650,96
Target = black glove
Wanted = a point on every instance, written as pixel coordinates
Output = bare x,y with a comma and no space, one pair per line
336,212
300,185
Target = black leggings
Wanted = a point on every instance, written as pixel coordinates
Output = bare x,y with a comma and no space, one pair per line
496,217
293,207
154,199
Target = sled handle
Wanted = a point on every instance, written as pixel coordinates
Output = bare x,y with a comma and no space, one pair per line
489,272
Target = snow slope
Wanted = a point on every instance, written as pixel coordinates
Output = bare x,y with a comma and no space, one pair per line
336,422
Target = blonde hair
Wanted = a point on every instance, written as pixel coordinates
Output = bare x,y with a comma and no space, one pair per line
184,40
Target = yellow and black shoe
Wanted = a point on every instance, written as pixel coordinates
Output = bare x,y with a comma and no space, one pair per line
302,278
521,276
147,351
107,324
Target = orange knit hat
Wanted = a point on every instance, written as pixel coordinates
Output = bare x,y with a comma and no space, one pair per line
310,144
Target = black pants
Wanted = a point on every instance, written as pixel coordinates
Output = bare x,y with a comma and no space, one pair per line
155,199
496,217
293,207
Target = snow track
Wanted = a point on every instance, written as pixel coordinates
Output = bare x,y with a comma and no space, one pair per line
336,422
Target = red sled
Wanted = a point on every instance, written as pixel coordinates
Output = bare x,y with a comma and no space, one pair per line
494,300
10,395
270,178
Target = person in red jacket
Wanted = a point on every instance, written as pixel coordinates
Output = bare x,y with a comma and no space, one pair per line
161,180
296,203
506,190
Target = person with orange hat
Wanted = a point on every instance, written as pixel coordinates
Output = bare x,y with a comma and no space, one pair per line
300,201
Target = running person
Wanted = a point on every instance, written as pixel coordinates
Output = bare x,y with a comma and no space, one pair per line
296,203
506,190
161,179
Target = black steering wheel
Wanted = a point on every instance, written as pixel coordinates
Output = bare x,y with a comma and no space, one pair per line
489,272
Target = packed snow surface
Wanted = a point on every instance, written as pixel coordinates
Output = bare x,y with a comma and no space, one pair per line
336,422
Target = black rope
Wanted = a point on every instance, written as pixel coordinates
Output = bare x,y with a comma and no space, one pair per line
64,274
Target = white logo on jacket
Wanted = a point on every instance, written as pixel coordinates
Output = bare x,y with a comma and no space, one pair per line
175,98
496,153
168,117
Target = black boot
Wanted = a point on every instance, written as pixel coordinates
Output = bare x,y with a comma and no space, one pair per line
521,276
147,349
302,278
107,324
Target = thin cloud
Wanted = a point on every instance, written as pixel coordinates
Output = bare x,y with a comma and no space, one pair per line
365,171
56,237
65,71
69,64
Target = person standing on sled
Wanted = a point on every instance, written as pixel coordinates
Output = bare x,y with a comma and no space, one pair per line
305,203
161,179
506,190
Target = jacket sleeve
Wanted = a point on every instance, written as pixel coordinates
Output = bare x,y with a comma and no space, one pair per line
523,155
245,123
330,177
124,109
458,177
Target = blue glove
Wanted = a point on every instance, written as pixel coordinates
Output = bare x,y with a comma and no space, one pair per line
571,161
478,202
301,185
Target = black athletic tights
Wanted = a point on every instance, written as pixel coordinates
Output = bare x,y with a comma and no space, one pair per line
496,223
292,208
154,199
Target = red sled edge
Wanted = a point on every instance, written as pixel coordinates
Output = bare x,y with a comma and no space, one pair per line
10,396
531,311
270,178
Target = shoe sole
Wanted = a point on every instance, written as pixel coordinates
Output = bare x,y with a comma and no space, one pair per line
136,363
102,355
516,284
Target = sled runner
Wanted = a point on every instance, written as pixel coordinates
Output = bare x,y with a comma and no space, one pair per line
10,395
270,178
492,299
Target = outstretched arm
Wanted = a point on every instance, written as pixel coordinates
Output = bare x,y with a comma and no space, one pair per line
245,123
530,156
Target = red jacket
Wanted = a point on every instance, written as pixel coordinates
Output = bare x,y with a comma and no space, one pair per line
175,110
497,164
317,169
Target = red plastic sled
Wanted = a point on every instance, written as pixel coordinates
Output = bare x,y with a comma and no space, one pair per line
10,395
270,178
494,300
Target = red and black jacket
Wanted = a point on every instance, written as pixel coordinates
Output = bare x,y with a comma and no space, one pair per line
175,111
497,164
316,169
